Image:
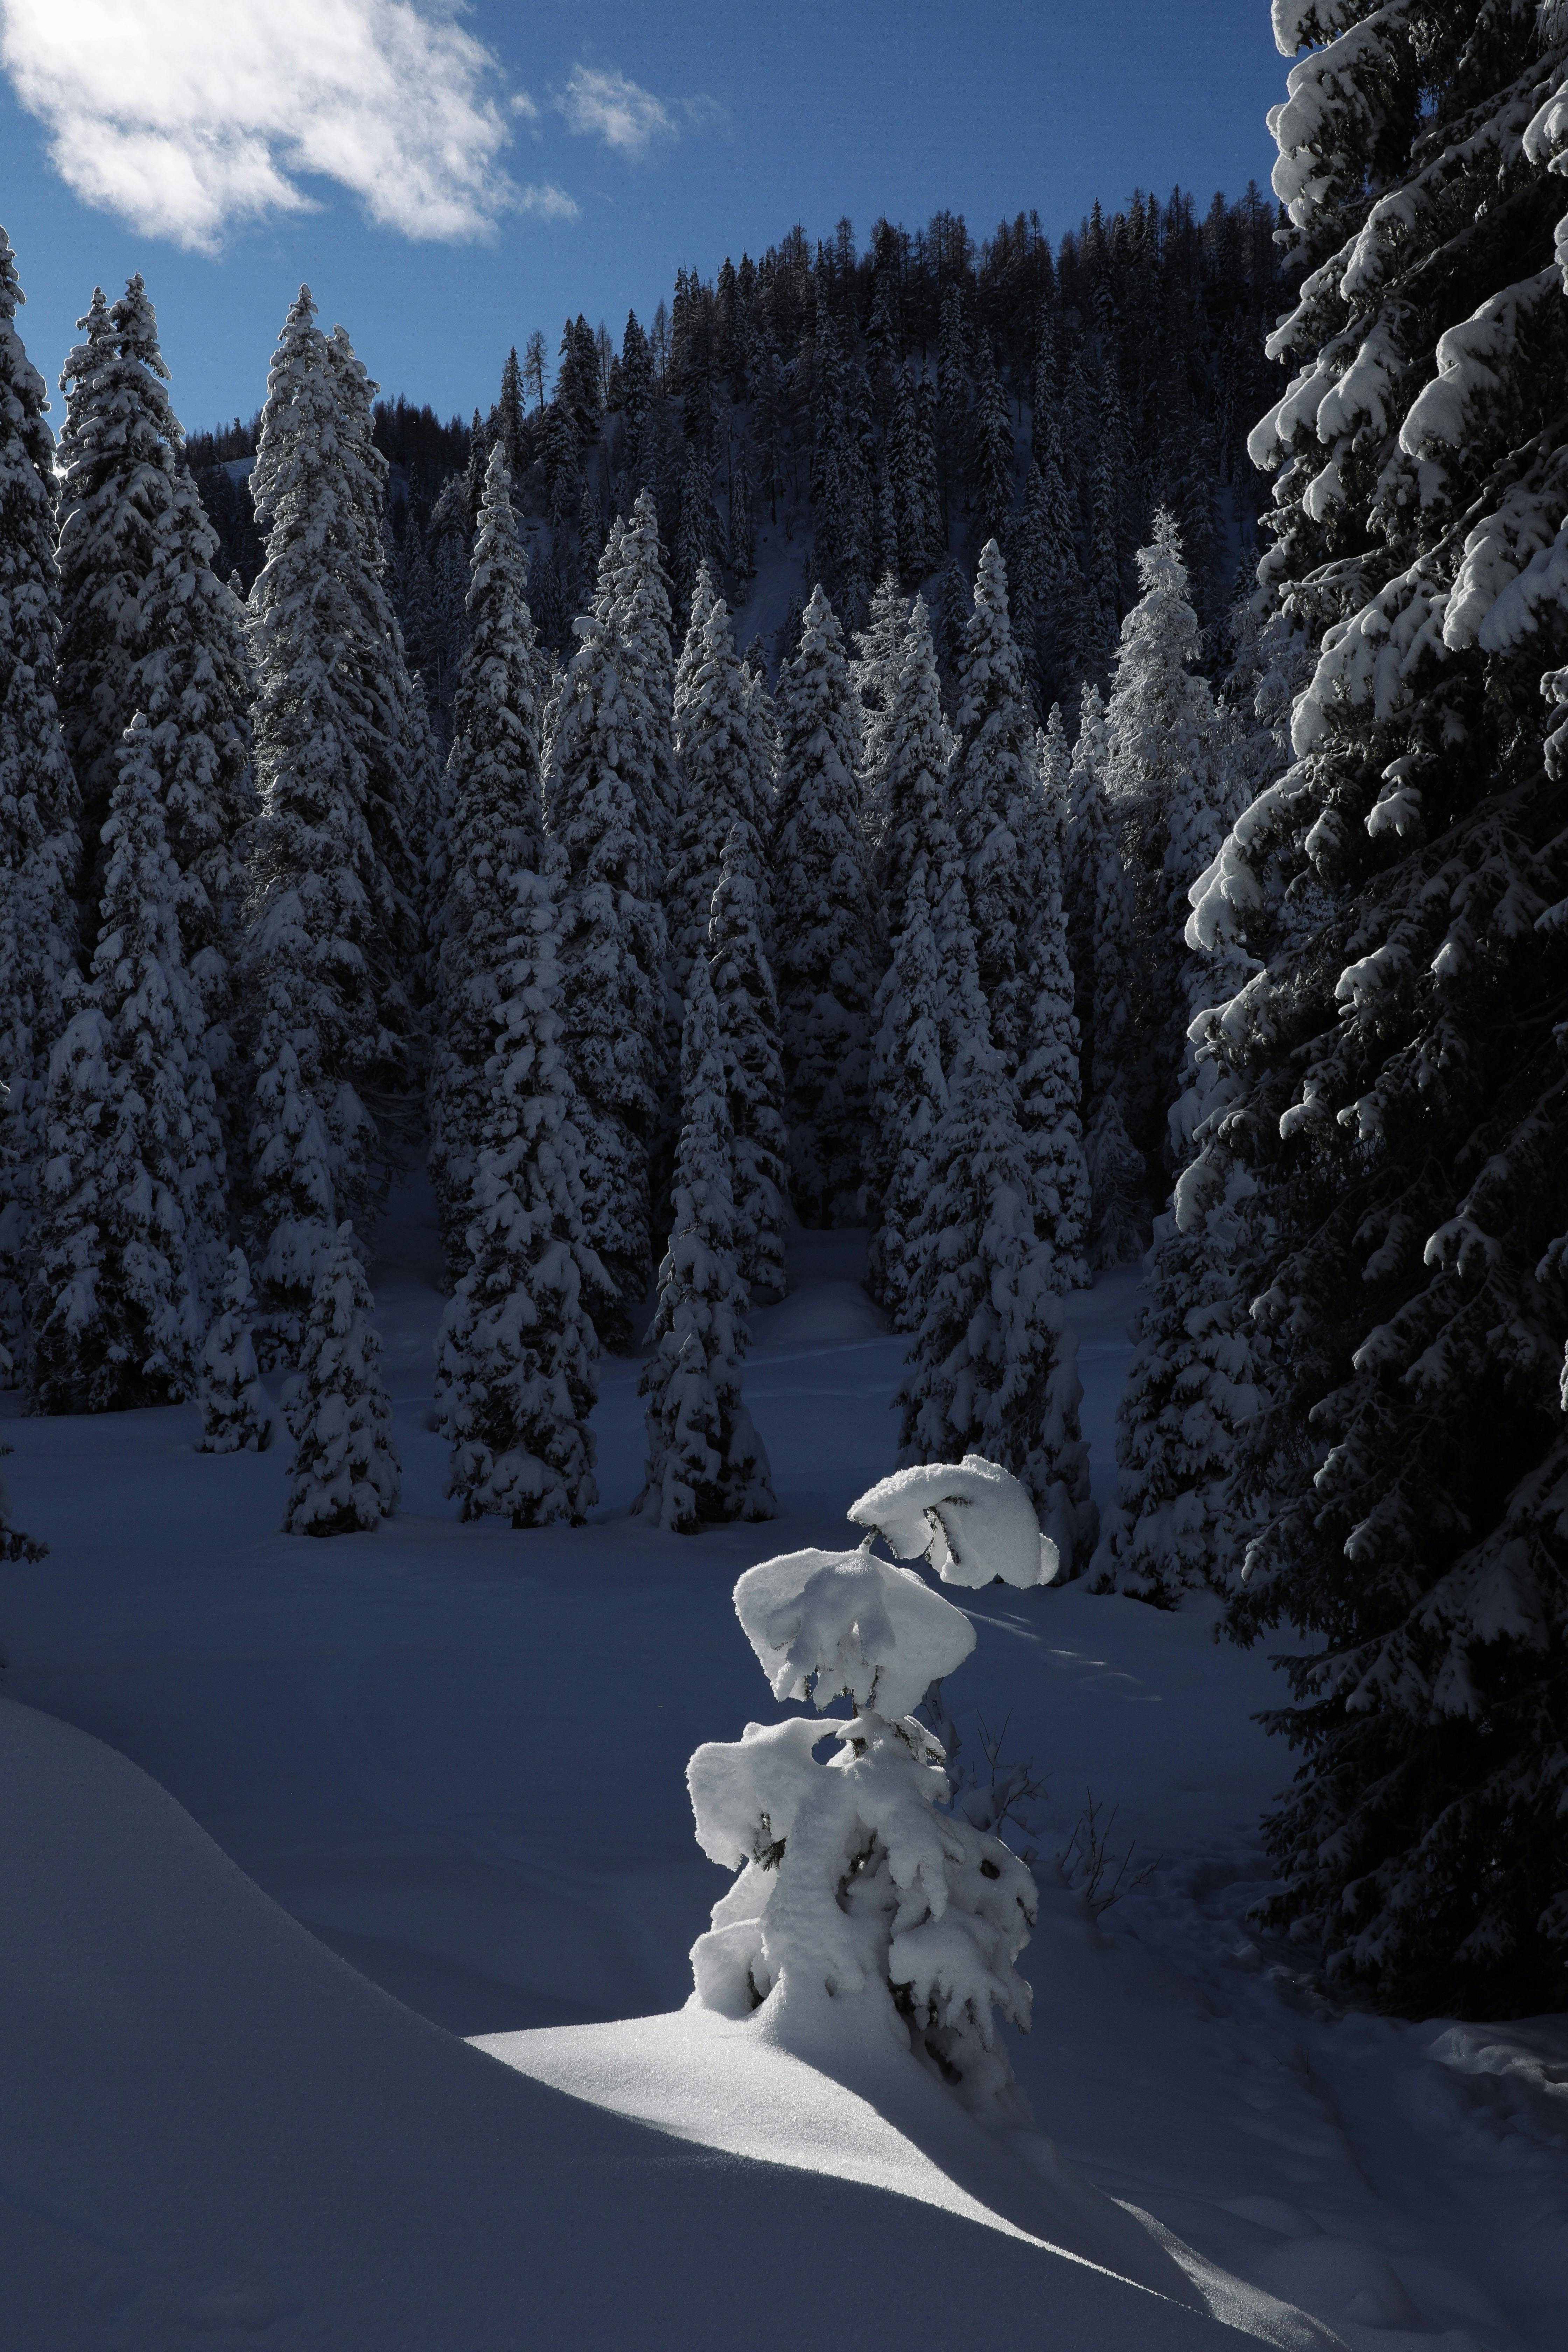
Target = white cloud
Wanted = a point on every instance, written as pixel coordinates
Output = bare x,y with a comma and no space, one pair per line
600,103
187,116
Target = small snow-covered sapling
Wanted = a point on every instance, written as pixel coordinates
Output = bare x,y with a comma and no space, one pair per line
857,1881
345,1474
235,1410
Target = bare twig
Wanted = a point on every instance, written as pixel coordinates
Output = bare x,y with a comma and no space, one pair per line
1091,1865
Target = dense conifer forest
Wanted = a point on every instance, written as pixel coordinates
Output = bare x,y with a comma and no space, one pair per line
1049,753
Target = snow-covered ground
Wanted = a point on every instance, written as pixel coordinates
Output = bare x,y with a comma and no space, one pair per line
457,1755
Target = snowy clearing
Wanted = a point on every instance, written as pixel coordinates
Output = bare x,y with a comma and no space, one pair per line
457,1755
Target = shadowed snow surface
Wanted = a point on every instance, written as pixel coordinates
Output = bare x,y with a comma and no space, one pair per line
457,1755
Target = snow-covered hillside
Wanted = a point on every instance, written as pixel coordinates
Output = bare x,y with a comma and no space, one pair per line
456,1755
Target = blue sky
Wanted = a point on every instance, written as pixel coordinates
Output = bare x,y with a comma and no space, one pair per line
448,180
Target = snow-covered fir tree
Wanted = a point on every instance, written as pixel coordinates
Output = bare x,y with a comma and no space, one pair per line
642,621
986,785
1200,1368
706,1463
235,1411
192,685
320,944
992,1368
874,672
749,1038
1147,810
914,752
915,484
494,828
1399,1100
909,1100
699,538
695,607
763,718
991,449
612,952
344,1478
716,782
380,693
40,843
860,1883
130,1204
117,474
517,1364
826,932
1046,588
1049,1084
149,624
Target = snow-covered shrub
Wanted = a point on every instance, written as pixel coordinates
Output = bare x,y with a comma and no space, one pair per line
345,1475
856,1880
235,1411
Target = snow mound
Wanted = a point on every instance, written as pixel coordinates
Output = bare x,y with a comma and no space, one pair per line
972,1520
213,2130
740,2088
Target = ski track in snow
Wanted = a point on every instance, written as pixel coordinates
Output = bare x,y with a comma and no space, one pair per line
457,1756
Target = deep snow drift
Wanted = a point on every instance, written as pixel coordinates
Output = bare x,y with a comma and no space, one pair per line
456,1755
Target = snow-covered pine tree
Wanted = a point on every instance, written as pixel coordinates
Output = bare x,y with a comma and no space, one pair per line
1118,1172
914,753
699,538
612,952
494,828
953,608
517,1364
763,722
427,840
991,449
741,538
1043,568
1083,848
637,390
986,785
235,1412
828,949
874,672
345,1478
952,392
697,607
1158,804
116,471
992,1368
642,619
380,697
915,484
754,1070
40,841
909,1099
1400,1099
1048,1086
148,623
130,1204
706,1464
191,683
715,742
1200,1369
317,955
